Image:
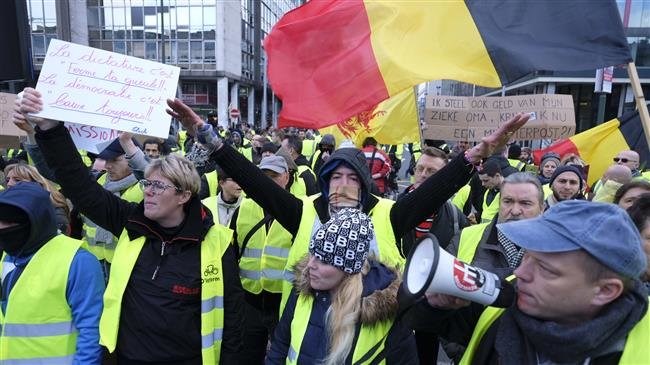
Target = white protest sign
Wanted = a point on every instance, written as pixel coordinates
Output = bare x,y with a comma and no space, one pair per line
104,89
91,138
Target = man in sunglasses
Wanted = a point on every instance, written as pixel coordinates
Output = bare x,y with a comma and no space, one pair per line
630,159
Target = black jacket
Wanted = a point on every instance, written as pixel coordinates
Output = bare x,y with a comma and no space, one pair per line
448,222
287,209
160,320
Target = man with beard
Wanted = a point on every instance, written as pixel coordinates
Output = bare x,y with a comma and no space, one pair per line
566,184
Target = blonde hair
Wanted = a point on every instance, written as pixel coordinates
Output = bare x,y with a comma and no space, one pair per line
179,170
30,173
343,315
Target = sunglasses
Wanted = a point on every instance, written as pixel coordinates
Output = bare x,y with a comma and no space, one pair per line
623,160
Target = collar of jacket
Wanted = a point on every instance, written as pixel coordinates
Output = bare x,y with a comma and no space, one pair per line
377,303
195,226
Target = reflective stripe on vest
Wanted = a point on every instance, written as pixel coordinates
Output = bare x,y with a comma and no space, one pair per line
213,182
634,352
489,211
470,237
383,243
265,256
41,334
368,336
213,247
105,250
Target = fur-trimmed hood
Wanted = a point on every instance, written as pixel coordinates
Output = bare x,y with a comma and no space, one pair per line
379,295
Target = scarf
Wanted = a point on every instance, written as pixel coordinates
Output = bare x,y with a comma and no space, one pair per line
521,337
115,187
514,254
226,210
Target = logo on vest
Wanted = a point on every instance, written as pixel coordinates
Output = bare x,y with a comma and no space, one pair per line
210,274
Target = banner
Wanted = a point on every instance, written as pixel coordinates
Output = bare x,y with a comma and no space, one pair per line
458,118
104,89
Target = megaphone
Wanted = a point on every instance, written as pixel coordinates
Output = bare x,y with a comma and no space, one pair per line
430,269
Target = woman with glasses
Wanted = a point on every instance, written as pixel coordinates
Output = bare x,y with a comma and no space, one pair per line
174,294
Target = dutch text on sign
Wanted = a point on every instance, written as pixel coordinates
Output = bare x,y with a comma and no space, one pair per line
472,118
99,88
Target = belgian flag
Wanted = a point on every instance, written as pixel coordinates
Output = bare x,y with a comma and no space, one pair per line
331,59
597,146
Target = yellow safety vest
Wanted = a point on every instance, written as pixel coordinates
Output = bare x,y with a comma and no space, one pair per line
182,137
213,247
516,164
298,187
469,240
634,352
84,157
37,325
489,211
105,250
262,263
247,152
460,198
369,335
383,244
308,147
546,188
213,182
314,159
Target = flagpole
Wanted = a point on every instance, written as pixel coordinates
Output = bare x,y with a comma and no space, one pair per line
640,100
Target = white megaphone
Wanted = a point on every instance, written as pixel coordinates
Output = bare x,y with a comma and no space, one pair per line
430,269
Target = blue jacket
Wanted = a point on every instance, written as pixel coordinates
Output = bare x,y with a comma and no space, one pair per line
85,285
381,283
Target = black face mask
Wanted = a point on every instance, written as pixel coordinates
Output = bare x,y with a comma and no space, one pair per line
13,239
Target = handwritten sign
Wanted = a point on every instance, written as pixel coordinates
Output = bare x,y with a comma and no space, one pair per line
104,89
91,138
459,118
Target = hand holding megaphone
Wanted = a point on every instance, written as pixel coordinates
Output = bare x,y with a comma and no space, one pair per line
430,269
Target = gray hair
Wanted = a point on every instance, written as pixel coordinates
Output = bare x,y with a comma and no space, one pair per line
526,178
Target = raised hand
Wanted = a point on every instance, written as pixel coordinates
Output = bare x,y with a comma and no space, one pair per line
185,115
498,139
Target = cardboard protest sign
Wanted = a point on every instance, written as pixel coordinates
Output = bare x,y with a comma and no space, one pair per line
98,88
9,133
457,118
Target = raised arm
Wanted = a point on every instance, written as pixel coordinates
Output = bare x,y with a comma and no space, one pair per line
61,155
278,202
420,204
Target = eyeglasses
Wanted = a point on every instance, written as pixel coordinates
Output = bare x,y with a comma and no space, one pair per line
623,160
157,187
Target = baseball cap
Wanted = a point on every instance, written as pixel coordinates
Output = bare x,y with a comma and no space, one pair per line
604,230
274,163
114,150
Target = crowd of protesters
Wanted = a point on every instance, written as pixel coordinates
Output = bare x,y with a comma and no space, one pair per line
251,246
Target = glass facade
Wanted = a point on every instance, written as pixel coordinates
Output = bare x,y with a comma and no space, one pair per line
178,32
42,22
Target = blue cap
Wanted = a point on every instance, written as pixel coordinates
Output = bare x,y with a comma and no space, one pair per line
604,230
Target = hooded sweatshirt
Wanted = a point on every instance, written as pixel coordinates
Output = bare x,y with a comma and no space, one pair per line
85,285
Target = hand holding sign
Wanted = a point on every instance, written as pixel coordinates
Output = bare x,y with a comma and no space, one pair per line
30,102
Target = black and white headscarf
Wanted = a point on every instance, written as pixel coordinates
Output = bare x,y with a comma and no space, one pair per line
344,240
